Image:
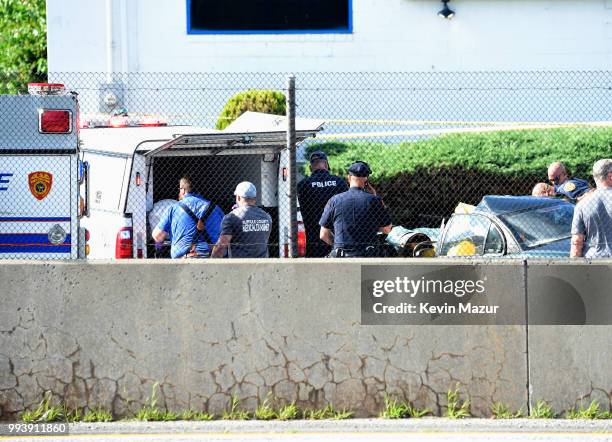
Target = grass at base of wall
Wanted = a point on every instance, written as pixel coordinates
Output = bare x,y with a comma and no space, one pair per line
455,407
328,412
148,414
288,412
97,415
265,411
502,411
395,409
542,410
593,411
234,412
47,411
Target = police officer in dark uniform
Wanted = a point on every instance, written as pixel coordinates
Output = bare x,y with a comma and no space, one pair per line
313,193
565,186
352,220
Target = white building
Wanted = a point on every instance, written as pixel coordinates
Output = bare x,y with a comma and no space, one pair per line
508,42
383,35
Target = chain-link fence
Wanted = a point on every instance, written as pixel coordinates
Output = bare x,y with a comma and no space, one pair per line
453,159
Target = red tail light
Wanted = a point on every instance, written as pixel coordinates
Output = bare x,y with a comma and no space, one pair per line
124,243
87,248
54,121
301,240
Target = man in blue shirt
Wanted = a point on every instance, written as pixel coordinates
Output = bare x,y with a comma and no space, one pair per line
193,224
351,220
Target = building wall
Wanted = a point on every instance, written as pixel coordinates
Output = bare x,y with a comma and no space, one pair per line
404,35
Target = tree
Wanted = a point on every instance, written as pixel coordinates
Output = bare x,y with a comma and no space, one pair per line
255,100
23,44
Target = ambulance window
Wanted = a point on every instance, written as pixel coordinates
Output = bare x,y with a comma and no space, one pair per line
106,174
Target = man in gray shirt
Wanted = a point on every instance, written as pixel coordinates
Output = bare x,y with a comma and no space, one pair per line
592,223
246,229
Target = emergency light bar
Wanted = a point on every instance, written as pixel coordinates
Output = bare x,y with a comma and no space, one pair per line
107,120
46,89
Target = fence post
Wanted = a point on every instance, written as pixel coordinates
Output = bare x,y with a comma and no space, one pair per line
292,166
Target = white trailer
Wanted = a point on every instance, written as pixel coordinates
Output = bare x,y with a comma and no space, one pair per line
134,174
40,176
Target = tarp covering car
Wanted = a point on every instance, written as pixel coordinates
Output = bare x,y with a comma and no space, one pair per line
502,204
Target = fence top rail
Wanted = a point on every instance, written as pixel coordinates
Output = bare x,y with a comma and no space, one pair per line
463,261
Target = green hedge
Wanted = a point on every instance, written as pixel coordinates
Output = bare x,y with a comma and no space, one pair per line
255,100
521,152
422,182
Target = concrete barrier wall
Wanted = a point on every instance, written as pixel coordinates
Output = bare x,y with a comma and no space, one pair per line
101,335
570,365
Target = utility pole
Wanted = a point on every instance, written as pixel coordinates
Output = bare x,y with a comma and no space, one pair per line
293,231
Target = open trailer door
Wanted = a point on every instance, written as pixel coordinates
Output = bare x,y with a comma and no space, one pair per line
217,162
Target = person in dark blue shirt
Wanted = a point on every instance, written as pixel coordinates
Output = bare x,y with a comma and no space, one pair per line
352,220
313,193
245,231
193,224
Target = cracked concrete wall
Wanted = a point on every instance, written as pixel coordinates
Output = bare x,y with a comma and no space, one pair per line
571,365
100,335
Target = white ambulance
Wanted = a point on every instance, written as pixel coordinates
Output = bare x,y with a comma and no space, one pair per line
136,164
40,175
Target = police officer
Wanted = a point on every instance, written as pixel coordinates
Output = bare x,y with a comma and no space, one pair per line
352,220
571,188
313,193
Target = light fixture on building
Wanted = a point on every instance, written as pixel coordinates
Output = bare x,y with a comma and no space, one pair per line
446,12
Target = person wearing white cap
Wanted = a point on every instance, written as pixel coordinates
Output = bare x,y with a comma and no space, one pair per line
245,231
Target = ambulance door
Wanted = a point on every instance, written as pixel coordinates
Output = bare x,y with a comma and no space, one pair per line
107,179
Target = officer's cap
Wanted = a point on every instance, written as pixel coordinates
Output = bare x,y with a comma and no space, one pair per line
246,190
359,169
318,155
